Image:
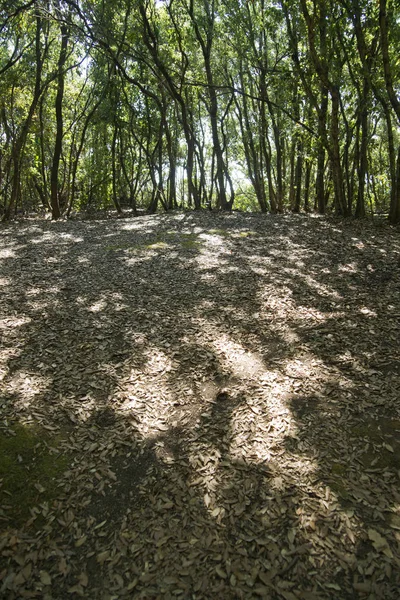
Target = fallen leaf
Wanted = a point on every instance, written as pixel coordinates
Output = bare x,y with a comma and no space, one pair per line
83,579
45,578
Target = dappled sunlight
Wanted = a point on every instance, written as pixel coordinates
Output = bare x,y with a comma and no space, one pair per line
205,262
133,225
348,268
98,306
309,315
11,346
12,322
27,388
321,289
157,361
51,236
300,369
82,260
217,401
364,310
245,364
8,253
213,240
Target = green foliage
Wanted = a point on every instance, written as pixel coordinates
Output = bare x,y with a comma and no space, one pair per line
246,200
153,89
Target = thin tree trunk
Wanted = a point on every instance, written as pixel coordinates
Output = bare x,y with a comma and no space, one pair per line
337,173
320,177
298,177
114,170
54,185
387,69
363,159
394,216
18,146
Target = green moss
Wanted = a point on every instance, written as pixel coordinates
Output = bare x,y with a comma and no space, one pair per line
361,430
338,469
221,232
189,240
391,426
29,466
381,460
156,245
245,234
185,240
340,489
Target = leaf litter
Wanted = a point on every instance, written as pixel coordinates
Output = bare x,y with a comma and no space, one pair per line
219,394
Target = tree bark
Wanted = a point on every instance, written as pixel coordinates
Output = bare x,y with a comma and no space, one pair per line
54,184
387,69
18,146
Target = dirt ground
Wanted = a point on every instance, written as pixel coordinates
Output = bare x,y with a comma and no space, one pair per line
200,406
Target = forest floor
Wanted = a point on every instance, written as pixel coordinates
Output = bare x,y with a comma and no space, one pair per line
200,406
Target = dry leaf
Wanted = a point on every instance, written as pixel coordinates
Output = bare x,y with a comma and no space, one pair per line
221,572
63,567
166,478
45,578
103,556
83,579
76,589
379,542
81,541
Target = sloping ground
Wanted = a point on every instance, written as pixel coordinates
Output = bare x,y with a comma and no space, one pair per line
200,406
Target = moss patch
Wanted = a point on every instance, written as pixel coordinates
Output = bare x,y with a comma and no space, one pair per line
339,487
362,431
156,245
29,465
221,232
245,234
189,240
381,459
338,469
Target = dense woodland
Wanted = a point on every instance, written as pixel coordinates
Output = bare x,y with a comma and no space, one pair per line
164,104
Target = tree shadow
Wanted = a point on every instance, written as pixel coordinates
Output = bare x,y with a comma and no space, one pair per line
208,387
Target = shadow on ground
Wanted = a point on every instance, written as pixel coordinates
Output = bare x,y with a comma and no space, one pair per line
219,396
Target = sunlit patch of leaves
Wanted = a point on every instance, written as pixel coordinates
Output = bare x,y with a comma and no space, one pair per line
225,390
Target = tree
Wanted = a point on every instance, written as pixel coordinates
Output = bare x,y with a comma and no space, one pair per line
54,184
158,104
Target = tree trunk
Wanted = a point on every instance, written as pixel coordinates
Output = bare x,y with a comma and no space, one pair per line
307,180
298,177
337,173
54,187
363,159
384,26
114,170
151,42
18,146
394,216
320,178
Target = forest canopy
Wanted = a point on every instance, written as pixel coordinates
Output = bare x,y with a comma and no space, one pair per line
221,104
